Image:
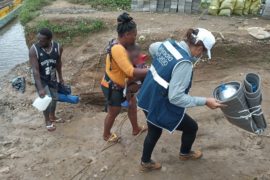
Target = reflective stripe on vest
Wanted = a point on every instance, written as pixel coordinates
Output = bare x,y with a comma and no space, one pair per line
158,79
155,75
172,50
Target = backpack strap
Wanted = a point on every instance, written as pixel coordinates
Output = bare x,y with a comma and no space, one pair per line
109,49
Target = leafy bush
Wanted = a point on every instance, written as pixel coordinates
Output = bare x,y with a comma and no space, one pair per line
110,4
65,31
30,9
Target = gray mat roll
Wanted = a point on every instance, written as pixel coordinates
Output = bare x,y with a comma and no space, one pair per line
252,89
236,110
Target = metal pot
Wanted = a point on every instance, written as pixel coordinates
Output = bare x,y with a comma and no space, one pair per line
226,91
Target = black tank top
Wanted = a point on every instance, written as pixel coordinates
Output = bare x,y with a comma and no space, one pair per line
47,62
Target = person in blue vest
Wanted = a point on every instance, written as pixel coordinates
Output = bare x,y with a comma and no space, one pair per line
164,94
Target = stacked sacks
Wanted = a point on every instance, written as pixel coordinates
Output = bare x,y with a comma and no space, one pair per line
247,6
255,7
227,7
244,106
214,7
238,7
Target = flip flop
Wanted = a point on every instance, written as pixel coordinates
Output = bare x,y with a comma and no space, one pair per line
113,138
51,127
58,120
143,129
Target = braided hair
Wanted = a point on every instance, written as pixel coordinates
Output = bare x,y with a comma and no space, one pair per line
125,24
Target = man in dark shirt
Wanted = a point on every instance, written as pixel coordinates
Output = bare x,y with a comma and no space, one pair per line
45,59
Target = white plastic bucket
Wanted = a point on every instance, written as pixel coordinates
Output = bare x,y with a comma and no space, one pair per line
42,103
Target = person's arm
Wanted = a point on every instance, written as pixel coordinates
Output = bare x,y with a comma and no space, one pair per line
140,73
120,56
153,48
35,67
179,83
59,67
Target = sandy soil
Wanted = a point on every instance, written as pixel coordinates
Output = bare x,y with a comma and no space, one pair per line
76,149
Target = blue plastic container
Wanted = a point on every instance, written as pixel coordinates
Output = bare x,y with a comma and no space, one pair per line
68,98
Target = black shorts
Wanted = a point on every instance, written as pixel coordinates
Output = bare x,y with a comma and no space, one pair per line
116,96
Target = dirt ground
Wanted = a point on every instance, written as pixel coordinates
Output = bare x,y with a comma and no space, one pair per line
76,149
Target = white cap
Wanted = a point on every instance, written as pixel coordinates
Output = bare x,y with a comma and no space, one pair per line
207,38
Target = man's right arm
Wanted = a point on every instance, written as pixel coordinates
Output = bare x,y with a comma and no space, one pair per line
35,67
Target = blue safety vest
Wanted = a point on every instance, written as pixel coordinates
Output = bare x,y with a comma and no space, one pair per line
153,95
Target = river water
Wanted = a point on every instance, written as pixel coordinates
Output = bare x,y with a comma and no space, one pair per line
13,48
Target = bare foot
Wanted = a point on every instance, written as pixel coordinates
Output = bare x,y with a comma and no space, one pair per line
140,130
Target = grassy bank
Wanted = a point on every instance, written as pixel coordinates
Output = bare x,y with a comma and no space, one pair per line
30,9
65,31
107,4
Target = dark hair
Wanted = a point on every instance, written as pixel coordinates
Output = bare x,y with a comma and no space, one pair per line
191,38
46,32
125,24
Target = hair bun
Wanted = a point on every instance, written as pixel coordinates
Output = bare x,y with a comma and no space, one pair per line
124,18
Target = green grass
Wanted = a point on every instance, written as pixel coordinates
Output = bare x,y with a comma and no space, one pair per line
30,9
65,31
107,4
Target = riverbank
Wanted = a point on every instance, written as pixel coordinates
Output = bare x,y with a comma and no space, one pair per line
13,48
73,151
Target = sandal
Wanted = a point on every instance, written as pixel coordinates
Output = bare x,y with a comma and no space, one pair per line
58,120
51,127
113,138
143,129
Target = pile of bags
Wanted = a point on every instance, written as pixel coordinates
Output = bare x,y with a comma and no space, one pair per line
228,7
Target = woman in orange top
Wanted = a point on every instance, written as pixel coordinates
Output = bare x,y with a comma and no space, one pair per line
118,69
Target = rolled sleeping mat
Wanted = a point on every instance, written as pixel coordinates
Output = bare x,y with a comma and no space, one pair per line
64,89
252,89
68,98
236,110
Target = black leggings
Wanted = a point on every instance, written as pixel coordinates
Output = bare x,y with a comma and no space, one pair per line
189,128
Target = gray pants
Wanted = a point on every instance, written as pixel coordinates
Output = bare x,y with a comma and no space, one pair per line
53,94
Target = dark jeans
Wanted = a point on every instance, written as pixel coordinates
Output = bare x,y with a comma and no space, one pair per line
189,128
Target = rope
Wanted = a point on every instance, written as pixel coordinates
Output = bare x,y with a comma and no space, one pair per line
128,146
104,147
96,70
